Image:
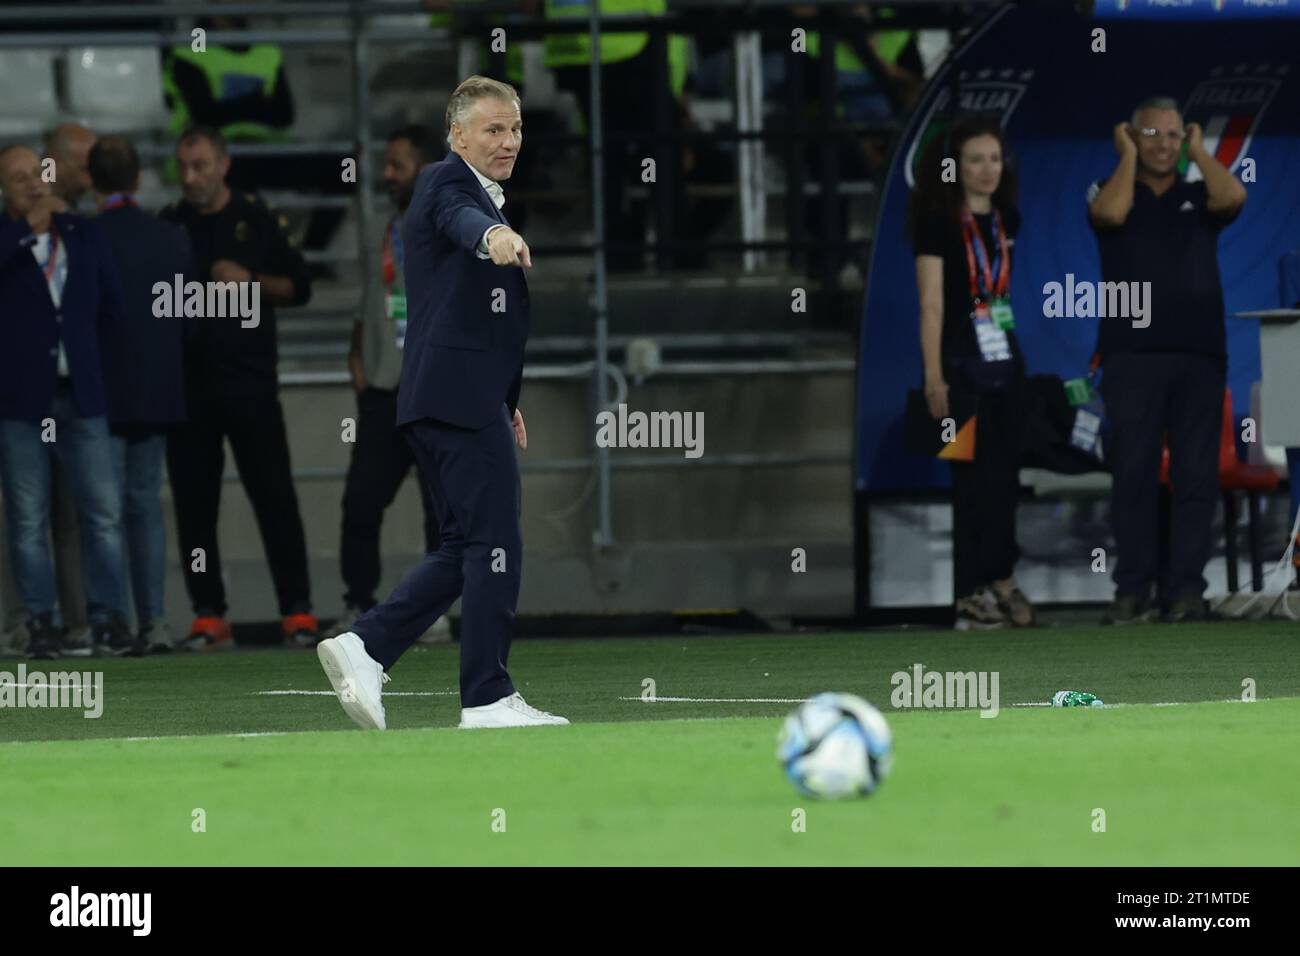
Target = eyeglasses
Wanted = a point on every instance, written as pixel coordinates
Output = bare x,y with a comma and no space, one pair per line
1150,134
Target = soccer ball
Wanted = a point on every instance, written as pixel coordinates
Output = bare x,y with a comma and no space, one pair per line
836,745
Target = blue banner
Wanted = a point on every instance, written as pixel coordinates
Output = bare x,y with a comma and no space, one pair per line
1196,9
1035,70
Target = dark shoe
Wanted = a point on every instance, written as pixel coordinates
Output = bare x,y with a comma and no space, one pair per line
1187,609
1129,610
1016,607
344,624
209,634
301,630
113,638
979,611
42,638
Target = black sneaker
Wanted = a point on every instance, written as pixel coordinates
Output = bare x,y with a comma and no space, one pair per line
43,638
1188,609
1129,610
113,638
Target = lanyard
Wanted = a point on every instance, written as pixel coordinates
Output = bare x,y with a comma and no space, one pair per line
51,260
393,250
115,200
982,282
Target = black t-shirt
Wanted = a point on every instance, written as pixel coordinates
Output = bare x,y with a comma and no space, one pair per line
222,356
1172,242
959,348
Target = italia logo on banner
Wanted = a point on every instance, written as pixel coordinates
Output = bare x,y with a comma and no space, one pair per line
1228,106
989,93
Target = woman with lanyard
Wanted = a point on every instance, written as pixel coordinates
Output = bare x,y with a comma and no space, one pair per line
963,232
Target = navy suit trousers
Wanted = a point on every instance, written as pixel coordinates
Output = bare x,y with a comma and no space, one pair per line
473,481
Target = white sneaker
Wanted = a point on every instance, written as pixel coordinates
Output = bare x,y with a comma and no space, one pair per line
356,677
512,711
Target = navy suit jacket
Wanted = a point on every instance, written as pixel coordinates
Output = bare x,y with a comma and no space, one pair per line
91,309
467,319
148,381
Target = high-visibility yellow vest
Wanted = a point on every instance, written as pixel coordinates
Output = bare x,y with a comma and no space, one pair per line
846,61
228,71
574,49
889,46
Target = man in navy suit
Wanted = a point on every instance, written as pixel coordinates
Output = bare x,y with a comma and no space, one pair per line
60,309
457,403
150,389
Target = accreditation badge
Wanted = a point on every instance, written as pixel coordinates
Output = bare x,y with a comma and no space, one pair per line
1000,309
1086,433
993,343
395,309
1079,392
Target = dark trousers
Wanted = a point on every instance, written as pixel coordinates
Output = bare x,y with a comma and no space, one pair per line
473,479
984,497
1149,397
381,460
195,460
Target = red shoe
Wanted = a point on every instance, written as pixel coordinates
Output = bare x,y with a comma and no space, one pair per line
301,630
209,634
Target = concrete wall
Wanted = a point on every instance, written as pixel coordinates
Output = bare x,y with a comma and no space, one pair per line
689,536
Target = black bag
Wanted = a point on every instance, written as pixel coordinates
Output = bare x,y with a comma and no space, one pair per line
1049,421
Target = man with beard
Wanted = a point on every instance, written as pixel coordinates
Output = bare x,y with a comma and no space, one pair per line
232,391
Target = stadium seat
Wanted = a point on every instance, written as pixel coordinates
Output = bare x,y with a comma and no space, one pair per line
1235,476
116,89
37,108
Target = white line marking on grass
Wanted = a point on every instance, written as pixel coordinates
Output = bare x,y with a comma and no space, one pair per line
254,733
719,700
330,693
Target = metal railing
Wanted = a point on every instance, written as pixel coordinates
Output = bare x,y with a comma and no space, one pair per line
745,24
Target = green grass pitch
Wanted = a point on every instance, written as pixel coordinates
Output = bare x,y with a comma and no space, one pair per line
1210,781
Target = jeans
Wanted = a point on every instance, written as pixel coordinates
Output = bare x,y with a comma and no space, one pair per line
84,451
138,469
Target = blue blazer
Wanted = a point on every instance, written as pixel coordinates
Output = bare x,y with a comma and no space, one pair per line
467,319
147,378
92,316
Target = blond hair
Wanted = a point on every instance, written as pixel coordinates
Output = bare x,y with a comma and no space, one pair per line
472,89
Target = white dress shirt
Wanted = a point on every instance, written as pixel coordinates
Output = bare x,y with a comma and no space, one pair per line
498,197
